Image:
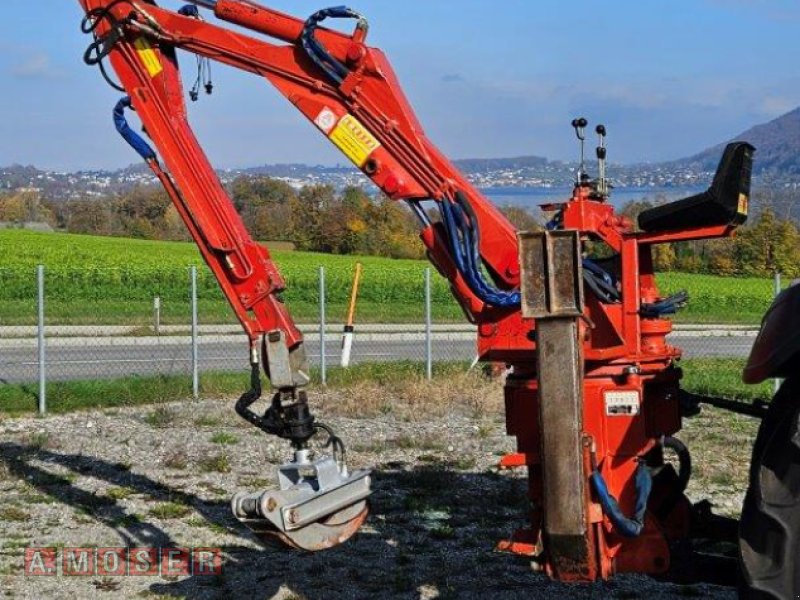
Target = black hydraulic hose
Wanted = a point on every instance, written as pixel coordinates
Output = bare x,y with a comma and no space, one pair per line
684,460
684,474
249,398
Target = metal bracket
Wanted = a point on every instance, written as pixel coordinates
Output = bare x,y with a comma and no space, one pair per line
552,293
288,369
552,276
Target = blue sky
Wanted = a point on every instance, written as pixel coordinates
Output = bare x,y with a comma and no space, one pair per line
487,78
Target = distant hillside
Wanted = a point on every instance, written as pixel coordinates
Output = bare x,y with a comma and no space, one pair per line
482,165
777,142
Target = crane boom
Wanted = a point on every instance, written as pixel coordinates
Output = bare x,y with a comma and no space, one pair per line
593,397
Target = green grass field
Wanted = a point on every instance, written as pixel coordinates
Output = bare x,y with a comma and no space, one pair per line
93,280
705,376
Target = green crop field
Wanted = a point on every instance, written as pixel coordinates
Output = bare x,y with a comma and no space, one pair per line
114,280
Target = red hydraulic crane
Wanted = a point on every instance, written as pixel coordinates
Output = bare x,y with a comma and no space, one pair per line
593,397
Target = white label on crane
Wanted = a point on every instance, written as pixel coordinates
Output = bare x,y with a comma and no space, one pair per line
622,403
326,120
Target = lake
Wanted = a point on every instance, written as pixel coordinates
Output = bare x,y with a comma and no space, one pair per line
532,197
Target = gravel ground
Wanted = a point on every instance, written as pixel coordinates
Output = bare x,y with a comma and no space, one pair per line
163,477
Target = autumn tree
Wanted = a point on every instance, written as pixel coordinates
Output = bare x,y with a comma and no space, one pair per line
770,245
25,207
521,218
89,217
265,205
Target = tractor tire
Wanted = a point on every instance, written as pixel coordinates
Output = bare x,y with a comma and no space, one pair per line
769,530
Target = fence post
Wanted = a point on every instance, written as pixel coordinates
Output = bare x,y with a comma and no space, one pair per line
323,361
157,315
195,360
40,336
428,326
777,382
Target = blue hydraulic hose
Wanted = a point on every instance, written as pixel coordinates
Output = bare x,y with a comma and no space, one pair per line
626,527
129,135
463,239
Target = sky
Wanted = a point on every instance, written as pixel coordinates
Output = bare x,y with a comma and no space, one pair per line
487,79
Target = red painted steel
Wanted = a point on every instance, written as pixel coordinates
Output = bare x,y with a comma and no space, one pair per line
623,350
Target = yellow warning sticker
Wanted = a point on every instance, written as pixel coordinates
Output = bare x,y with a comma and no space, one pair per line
744,202
354,140
148,56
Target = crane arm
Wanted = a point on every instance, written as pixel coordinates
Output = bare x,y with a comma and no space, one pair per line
595,390
351,94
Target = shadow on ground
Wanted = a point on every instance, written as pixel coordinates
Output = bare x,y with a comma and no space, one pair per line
432,528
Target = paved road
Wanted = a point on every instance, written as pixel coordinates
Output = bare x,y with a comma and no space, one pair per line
87,358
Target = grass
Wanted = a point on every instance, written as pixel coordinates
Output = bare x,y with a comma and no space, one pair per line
119,493
69,396
223,438
722,377
176,460
161,417
215,463
170,510
365,391
91,280
13,514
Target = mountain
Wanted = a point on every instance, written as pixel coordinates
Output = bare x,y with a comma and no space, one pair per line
777,144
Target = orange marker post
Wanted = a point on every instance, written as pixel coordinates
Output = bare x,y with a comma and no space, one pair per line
349,327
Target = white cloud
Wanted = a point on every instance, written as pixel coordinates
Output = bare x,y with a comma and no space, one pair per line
35,66
775,106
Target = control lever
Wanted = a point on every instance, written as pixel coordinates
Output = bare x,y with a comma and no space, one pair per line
602,183
579,124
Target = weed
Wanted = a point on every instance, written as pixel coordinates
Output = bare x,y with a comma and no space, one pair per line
34,498
217,491
16,543
170,510
161,417
722,478
443,532
463,463
207,421
216,463
129,520
176,459
256,482
40,441
118,493
13,513
407,442
223,438
485,430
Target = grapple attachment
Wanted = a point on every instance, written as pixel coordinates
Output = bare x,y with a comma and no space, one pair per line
319,504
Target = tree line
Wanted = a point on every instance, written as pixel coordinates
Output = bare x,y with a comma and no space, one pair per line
317,218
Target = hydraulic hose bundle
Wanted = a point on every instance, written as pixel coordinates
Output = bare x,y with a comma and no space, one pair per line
463,235
333,68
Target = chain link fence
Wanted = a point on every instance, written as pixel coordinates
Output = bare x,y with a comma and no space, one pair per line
60,325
